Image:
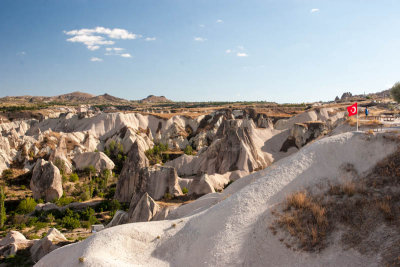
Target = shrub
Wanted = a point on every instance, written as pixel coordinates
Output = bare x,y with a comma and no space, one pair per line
88,215
90,170
156,155
188,150
168,196
26,205
64,200
74,178
3,215
185,190
8,174
86,195
114,205
395,92
50,218
70,222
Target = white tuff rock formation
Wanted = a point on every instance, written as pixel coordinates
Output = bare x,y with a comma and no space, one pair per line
46,181
231,228
47,244
98,160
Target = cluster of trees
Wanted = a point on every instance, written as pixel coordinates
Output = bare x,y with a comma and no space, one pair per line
115,151
157,154
395,92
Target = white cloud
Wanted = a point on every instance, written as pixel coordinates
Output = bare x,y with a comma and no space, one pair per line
22,53
240,51
91,41
93,47
239,54
114,49
148,39
126,55
314,10
95,37
200,39
219,21
115,33
96,59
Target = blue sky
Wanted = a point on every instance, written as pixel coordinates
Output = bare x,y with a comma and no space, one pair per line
283,51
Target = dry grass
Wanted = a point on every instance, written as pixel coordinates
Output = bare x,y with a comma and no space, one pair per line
305,219
358,208
352,121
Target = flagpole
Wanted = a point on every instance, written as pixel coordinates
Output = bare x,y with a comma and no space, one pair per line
357,119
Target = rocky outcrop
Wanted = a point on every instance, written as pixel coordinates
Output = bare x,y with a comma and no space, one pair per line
13,242
201,186
128,136
98,160
47,244
156,181
346,96
303,133
234,149
119,218
175,136
46,181
160,180
163,213
5,154
130,176
60,154
144,210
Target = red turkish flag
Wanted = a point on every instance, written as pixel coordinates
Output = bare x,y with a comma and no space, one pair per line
352,109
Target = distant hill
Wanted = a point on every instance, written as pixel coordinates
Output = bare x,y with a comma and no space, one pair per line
155,99
74,96
107,98
71,98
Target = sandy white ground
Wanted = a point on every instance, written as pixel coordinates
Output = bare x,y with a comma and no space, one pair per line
231,228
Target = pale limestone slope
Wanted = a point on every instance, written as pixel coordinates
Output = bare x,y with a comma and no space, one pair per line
232,229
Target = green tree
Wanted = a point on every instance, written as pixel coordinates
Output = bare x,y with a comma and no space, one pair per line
26,205
74,177
395,92
3,215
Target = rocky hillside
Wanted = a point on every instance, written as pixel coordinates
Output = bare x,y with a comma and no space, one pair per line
67,99
234,227
114,168
155,99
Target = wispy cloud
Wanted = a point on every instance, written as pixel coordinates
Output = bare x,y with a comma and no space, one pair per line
148,39
114,49
115,33
96,59
240,51
93,47
314,10
22,53
199,39
219,21
94,38
127,55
